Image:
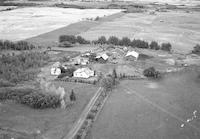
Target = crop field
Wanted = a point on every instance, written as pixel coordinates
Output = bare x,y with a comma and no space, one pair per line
179,28
48,123
165,109
28,22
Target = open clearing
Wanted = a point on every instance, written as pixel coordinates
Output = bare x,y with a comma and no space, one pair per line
179,28
24,23
152,109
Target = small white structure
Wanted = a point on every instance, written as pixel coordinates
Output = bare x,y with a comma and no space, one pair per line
132,54
104,56
55,71
83,73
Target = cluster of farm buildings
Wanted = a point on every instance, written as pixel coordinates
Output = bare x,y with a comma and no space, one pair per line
81,62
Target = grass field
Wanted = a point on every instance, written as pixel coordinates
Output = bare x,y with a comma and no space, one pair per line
152,109
179,28
51,123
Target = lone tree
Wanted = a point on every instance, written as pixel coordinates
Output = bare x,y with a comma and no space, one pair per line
114,73
72,96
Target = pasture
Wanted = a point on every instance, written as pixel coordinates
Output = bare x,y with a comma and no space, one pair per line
164,109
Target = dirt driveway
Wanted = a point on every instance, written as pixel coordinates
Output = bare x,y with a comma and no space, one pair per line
151,110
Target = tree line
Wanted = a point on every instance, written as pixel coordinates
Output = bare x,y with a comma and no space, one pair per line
68,40
20,45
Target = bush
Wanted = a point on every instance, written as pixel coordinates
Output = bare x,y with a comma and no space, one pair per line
151,72
113,40
68,38
154,45
196,49
140,44
166,47
125,41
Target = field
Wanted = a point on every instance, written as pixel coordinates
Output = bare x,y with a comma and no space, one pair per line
24,122
179,28
152,109
23,23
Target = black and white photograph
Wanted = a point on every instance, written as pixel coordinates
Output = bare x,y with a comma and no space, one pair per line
99,69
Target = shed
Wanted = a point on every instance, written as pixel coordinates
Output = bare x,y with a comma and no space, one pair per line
55,71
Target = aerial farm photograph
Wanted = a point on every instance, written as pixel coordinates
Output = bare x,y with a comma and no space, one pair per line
99,69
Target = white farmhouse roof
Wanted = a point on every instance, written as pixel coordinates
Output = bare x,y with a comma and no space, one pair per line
104,56
83,73
132,53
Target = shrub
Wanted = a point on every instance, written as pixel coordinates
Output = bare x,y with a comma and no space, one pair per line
68,38
113,40
125,41
166,47
196,49
154,45
139,44
151,72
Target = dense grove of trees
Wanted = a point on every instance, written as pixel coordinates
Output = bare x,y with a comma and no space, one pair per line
21,67
20,45
125,41
30,97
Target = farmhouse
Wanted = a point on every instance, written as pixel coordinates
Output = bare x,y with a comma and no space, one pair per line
83,73
132,55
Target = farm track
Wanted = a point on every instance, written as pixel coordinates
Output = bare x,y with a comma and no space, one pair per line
83,116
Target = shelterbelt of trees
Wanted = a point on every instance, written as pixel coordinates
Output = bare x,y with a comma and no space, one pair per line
20,45
69,40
